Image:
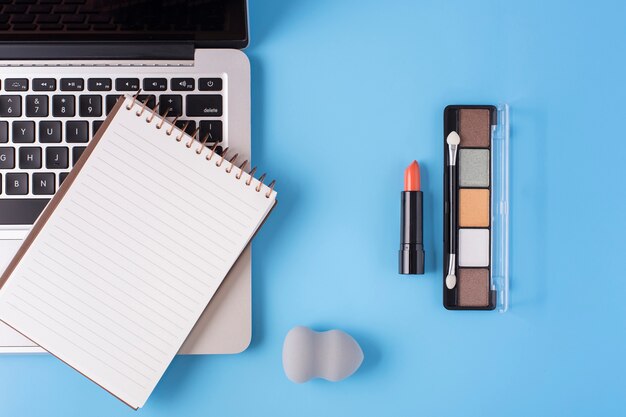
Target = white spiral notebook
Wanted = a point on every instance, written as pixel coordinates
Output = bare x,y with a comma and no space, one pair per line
126,256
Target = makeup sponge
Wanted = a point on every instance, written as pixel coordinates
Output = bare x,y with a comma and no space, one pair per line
333,355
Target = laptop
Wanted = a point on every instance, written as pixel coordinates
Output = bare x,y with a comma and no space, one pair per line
63,65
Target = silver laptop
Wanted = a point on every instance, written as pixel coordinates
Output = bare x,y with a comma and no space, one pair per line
64,63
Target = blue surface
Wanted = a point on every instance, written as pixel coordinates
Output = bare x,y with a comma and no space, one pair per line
345,95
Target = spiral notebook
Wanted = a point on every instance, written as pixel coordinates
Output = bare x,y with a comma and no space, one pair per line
128,253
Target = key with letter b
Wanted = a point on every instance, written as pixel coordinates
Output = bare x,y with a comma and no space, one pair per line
16,183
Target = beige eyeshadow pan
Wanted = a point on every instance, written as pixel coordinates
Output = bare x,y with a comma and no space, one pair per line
473,207
474,128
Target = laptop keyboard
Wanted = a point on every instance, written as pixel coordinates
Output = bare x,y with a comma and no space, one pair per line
104,16
46,124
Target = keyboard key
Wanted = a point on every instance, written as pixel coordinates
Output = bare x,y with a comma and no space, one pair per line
57,157
43,183
4,132
155,84
30,158
21,211
77,26
77,152
104,26
190,127
10,106
183,84
40,9
77,132
213,128
99,18
48,18
65,8
72,84
15,9
24,26
62,177
172,102
44,84
150,100
204,105
99,84
63,106
73,18
50,26
210,84
110,102
16,84
16,183
127,84
23,132
22,18
7,158
90,106
49,131
36,106
96,126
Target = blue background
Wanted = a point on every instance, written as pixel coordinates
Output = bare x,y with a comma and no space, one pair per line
345,95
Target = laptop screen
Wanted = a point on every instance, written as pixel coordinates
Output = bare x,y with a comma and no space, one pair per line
204,22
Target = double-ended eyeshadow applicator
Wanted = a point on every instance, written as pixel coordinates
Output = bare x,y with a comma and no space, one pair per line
453,140
411,256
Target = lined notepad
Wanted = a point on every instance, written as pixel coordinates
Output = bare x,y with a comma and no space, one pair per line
128,254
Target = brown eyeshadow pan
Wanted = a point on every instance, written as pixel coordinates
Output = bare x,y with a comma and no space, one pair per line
473,287
474,125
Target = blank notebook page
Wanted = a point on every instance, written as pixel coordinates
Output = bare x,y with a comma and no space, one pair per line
113,278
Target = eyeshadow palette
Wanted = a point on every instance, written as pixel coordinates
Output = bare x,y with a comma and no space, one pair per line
476,207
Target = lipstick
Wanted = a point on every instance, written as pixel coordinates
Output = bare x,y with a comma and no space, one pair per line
411,255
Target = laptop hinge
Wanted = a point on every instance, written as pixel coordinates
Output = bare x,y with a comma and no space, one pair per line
97,50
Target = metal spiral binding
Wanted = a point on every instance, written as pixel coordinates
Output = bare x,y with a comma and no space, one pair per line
154,112
249,180
223,155
182,132
232,162
241,167
202,144
192,137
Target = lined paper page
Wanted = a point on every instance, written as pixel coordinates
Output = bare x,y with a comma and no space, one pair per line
125,265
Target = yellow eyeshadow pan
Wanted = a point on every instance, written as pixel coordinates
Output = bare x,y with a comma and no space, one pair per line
473,207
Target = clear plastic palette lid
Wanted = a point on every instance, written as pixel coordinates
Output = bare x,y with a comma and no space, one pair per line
500,208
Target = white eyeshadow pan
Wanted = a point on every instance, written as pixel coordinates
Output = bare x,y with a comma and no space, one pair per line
473,247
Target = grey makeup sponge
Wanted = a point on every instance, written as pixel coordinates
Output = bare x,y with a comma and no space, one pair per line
333,355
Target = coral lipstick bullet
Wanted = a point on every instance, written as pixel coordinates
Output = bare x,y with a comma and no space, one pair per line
411,256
